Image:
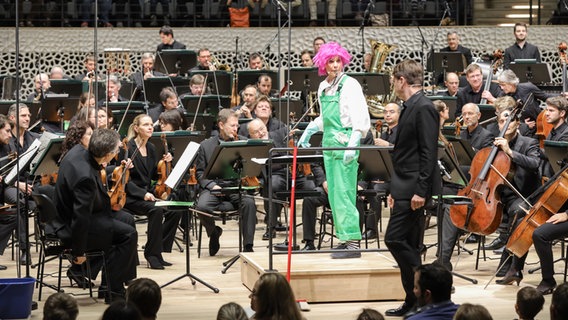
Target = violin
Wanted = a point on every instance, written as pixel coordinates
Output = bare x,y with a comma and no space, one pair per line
48,179
192,179
120,176
490,166
553,198
162,191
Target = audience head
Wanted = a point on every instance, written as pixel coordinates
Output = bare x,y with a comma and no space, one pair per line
231,311
432,284
272,298
529,303
468,311
60,306
370,314
255,61
306,56
146,295
122,310
318,41
330,51
559,303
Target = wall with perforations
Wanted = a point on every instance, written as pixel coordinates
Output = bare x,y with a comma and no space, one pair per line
42,48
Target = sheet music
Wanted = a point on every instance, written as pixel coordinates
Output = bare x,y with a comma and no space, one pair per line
182,165
23,162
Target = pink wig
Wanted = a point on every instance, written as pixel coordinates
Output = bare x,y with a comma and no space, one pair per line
326,52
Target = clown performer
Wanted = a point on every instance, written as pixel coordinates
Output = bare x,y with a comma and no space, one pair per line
344,119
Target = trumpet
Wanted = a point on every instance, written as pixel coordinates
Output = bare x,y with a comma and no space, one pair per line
216,65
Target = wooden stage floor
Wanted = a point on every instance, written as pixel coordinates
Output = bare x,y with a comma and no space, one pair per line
181,300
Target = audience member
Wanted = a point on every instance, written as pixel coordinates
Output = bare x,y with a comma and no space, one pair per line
146,295
559,303
122,310
468,311
331,13
60,306
370,314
273,298
529,303
433,289
231,311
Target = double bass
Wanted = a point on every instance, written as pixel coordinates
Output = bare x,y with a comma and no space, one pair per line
490,166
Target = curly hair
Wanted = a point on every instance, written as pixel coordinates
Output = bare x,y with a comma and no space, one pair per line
74,135
326,52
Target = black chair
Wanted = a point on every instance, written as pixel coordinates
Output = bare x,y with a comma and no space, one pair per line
223,216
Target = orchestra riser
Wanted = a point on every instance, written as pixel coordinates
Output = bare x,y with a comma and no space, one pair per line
316,277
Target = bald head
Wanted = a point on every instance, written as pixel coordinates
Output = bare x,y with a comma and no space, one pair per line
452,83
471,115
257,129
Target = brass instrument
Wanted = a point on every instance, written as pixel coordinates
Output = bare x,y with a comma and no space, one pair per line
562,47
217,65
380,52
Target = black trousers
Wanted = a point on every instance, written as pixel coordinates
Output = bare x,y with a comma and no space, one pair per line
402,238
280,184
309,213
162,225
208,202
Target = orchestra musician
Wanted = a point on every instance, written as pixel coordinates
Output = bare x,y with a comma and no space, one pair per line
171,120
416,175
452,83
113,87
264,86
41,88
475,89
148,59
249,94
477,136
85,214
167,40
255,61
521,49
306,57
344,121
89,72
391,114
204,61
262,109
169,101
57,73
455,46
208,201
140,200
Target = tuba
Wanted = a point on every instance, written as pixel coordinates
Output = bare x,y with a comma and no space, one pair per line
380,52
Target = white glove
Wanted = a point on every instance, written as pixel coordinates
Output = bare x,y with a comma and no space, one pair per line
354,141
305,138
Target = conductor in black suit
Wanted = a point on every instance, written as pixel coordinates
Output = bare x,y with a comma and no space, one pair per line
415,177
84,210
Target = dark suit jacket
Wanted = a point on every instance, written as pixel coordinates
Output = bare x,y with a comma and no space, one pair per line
272,125
480,137
145,168
465,51
82,203
415,151
526,158
466,95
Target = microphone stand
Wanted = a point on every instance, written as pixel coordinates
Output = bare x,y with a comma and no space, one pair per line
366,16
438,29
423,44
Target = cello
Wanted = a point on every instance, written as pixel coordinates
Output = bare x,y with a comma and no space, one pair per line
489,167
161,190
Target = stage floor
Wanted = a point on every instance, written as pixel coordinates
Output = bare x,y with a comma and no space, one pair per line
181,300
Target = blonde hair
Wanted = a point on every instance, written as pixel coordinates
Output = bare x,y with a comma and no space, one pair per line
135,123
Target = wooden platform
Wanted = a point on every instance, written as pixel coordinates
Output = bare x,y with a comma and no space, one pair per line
318,278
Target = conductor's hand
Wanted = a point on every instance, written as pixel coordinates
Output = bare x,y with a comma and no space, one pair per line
417,202
79,260
149,197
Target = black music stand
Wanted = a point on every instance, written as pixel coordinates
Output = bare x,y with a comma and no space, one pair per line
444,62
376,161
304,79
9,87
218,82
177,61
536,73
557,153
154,86
373,84
487,112
59,108
450,102
203,122
281,110
122,105
463,149
130,115
232,161
73,88
173,181
209,103
177,141
246,77
47,159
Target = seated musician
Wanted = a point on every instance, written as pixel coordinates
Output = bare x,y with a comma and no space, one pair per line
140,200
452,84
255,61
204,61
57,73
138,77
167,40
306,56
196,86
524,154
477,136
388,136
84,208
555,115
112,92
281,175
509,83
262,109
171,120
209,201
41,87
89,71
169,101
249,96
96,120
475,89
264,86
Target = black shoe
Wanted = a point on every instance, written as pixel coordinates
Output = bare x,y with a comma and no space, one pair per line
499,251
345,254
114,296
214,241
164,262
369,235
266,235
25,258
400,311
495,244
3,267
503,271
154,263
248,248
280,227
309,246
545,287
510,277
79,279
473,238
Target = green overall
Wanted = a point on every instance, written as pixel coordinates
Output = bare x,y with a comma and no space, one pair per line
341,178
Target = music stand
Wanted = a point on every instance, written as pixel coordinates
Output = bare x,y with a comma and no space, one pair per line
177,141
444,62
280,108
450,102
173,181
209,103
557,153
59,108
122,105
247,77
536,73
463,150
376,161
304,79
487,112
455,174
154,86
233,161
130,115
46,160
373,84
74,88
175,61
203,122
224,81
9,87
